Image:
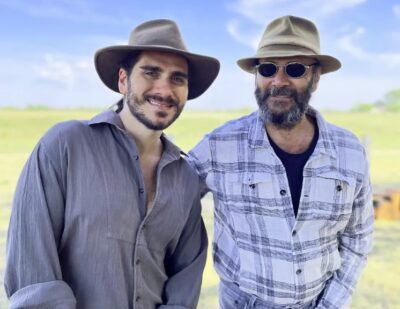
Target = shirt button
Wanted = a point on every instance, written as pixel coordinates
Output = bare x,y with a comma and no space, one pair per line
282,192
298,272
252,186
137,262
294,233
137,298
338,188
141,190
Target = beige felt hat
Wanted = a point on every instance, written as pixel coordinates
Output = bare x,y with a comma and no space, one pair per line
157,35
290,36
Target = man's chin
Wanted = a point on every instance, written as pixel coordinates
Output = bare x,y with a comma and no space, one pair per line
279,105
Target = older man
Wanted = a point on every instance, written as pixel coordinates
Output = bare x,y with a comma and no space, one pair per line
293,213
106,212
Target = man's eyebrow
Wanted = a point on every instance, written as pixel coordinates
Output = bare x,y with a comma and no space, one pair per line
151,68
158,69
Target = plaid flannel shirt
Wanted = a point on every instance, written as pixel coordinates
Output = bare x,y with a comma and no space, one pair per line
259,243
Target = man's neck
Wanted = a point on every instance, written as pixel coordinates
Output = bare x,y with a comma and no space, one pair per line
295,140
148,141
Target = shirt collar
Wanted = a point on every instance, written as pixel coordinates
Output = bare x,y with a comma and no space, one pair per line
111,117
326,143
108,116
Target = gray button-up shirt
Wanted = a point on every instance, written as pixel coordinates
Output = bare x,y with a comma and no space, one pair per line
79,235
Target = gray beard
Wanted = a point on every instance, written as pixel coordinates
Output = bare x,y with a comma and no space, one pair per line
289,119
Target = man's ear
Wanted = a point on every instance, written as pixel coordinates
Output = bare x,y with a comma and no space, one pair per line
122,81
316,77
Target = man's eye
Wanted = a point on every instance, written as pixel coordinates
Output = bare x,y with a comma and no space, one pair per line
151,73
178,80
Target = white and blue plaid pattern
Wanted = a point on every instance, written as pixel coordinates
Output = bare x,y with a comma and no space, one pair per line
259,243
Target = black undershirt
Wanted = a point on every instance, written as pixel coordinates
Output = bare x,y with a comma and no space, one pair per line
294,165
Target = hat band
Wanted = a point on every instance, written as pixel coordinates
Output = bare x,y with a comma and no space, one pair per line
284,50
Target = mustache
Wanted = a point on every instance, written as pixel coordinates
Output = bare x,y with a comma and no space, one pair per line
274,92
169,100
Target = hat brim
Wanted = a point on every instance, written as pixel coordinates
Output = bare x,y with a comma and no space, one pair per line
202,69
327,63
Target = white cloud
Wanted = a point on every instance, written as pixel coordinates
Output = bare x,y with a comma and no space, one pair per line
61,69
393,37
55,80
259,11
396,10
328,7
388,60
348,43
233,88
55,70
233,28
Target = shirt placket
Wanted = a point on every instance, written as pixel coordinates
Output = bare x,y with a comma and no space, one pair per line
140,240
133,154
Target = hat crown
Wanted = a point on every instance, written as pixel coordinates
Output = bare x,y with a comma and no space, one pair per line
159,32
159,35
291,30
287,37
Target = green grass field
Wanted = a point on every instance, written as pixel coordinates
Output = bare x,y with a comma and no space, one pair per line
21,129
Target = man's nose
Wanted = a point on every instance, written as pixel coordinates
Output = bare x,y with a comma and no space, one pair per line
163,86
280,79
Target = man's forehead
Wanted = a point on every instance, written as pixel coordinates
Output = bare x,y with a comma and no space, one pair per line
164,59
282,60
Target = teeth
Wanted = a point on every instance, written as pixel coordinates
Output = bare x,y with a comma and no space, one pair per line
154,102
159,103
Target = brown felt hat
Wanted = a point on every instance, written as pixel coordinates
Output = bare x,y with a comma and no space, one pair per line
157,35
290,36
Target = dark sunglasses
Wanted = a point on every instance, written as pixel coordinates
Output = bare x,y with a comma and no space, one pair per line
292,69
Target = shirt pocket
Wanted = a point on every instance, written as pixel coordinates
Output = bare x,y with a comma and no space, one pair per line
251,199
250,188
331,199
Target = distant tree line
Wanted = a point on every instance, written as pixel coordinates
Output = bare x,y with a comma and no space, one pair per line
390,103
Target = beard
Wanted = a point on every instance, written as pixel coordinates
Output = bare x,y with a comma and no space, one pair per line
286,119
135,104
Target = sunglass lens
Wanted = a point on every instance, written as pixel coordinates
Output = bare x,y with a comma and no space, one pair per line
267,69
295,70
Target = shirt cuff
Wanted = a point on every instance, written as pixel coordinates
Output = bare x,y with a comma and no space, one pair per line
52,294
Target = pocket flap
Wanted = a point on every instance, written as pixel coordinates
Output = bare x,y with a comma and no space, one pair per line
338,176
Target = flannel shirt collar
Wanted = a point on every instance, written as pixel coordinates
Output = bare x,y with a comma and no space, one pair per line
258,137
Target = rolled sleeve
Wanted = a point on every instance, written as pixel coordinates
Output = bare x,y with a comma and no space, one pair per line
33,277
48,295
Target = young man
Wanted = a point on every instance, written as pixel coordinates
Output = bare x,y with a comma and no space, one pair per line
293,212
106,213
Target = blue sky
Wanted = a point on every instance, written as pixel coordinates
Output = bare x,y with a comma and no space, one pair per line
47,47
